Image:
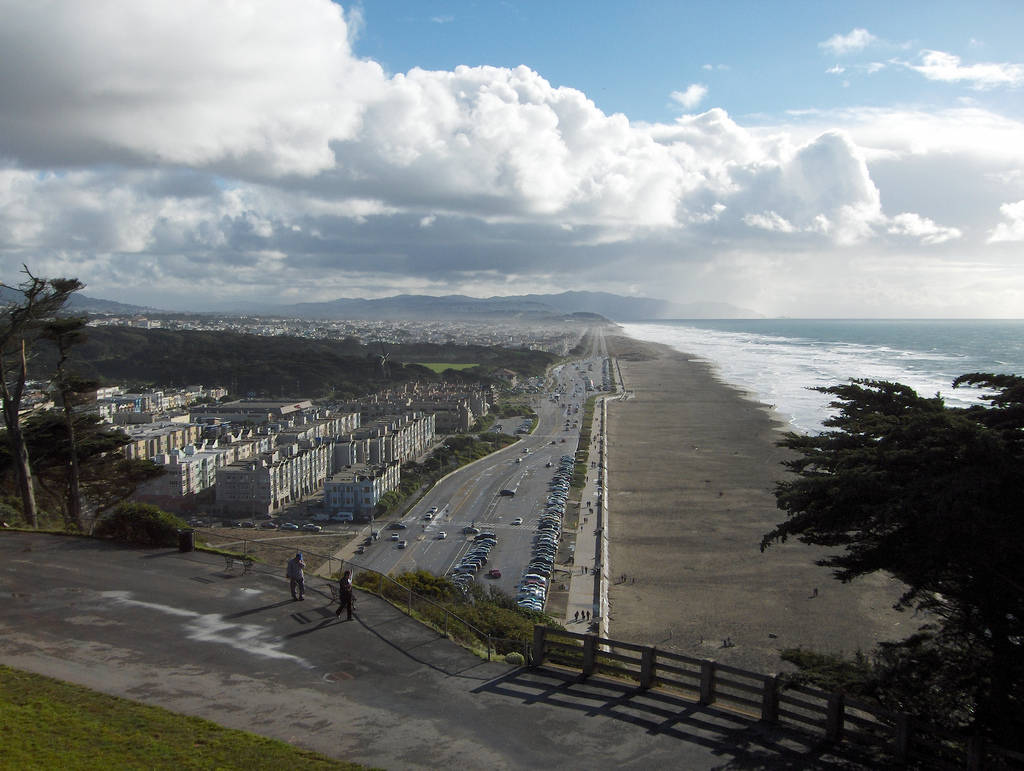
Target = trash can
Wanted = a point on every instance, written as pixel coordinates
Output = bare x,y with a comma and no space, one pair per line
186,539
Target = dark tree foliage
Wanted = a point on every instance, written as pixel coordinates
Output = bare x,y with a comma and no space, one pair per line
934,496
274,366
25,310
105,476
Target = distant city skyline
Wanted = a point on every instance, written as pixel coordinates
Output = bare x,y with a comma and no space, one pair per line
848,159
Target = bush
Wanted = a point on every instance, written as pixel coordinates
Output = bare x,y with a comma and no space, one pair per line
141,524
515,659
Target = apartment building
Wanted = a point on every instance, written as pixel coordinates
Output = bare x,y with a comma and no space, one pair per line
158,438
358,490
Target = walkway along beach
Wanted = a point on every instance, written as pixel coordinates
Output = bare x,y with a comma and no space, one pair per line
691,466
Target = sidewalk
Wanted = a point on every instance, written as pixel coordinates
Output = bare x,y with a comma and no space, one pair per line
586,592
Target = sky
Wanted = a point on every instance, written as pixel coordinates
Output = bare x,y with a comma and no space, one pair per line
805,159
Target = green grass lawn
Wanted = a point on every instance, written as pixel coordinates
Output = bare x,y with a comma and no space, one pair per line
440,367
46,723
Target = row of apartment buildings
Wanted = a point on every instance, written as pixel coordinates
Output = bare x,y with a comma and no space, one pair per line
251,459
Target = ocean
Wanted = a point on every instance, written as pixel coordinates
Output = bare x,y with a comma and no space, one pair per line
778,360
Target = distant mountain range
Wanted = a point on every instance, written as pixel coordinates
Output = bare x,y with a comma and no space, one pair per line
427,308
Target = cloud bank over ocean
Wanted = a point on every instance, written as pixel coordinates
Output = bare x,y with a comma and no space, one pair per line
163,152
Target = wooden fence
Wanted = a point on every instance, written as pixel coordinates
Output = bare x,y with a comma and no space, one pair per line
836,716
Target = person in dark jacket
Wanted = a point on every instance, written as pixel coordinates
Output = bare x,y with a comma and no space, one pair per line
345,595
295,577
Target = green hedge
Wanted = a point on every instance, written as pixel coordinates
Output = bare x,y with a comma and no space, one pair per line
141,524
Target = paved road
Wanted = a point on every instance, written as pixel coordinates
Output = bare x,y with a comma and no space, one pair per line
178,631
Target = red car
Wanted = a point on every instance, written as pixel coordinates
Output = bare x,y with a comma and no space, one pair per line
494,573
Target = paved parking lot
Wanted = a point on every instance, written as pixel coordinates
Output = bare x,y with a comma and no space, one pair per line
179,631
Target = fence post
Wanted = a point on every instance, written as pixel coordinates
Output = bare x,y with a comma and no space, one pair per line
446,614
488,647
975,753
380,585
648,667
834,717
408,600
901,738
770,700
538,645
589,654
707,682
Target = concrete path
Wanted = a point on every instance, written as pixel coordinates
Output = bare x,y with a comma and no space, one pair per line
179,631
585,589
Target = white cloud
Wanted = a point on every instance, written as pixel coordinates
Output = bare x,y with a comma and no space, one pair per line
945,67
769,220
691,97
245,147
921,228
840,45
1014,230
837,70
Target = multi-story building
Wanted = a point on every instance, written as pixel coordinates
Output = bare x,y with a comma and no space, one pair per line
151,439
358,490
272,480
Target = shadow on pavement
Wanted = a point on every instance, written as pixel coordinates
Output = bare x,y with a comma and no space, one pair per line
744,743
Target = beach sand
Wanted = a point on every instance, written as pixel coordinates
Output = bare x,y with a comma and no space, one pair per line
691,465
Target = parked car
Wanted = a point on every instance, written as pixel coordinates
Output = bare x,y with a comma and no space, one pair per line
309,527
289,526
268,525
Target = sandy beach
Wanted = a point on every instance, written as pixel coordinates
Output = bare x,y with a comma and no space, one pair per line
691,466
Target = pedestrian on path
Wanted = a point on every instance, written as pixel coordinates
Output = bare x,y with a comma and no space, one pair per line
576,616
345,595
294,574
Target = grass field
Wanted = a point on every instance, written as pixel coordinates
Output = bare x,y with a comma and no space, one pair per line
440,367
46,723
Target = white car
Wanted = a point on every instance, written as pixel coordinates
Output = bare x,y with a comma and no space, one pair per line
442,535
517,521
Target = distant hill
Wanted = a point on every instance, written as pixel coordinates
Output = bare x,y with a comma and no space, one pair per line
619,308
534,307
524,307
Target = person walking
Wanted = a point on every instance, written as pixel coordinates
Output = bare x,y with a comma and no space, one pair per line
295,577
345,595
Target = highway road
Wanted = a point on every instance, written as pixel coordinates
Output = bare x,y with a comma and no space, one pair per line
471,496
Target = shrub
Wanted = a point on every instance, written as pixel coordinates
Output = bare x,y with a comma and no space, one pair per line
141,524
515,659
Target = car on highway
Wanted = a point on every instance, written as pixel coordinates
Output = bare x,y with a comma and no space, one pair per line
309,527
433,510
428,516
442,535
394,536
289,526
402,544
361,550
508,493
397,526
470,530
